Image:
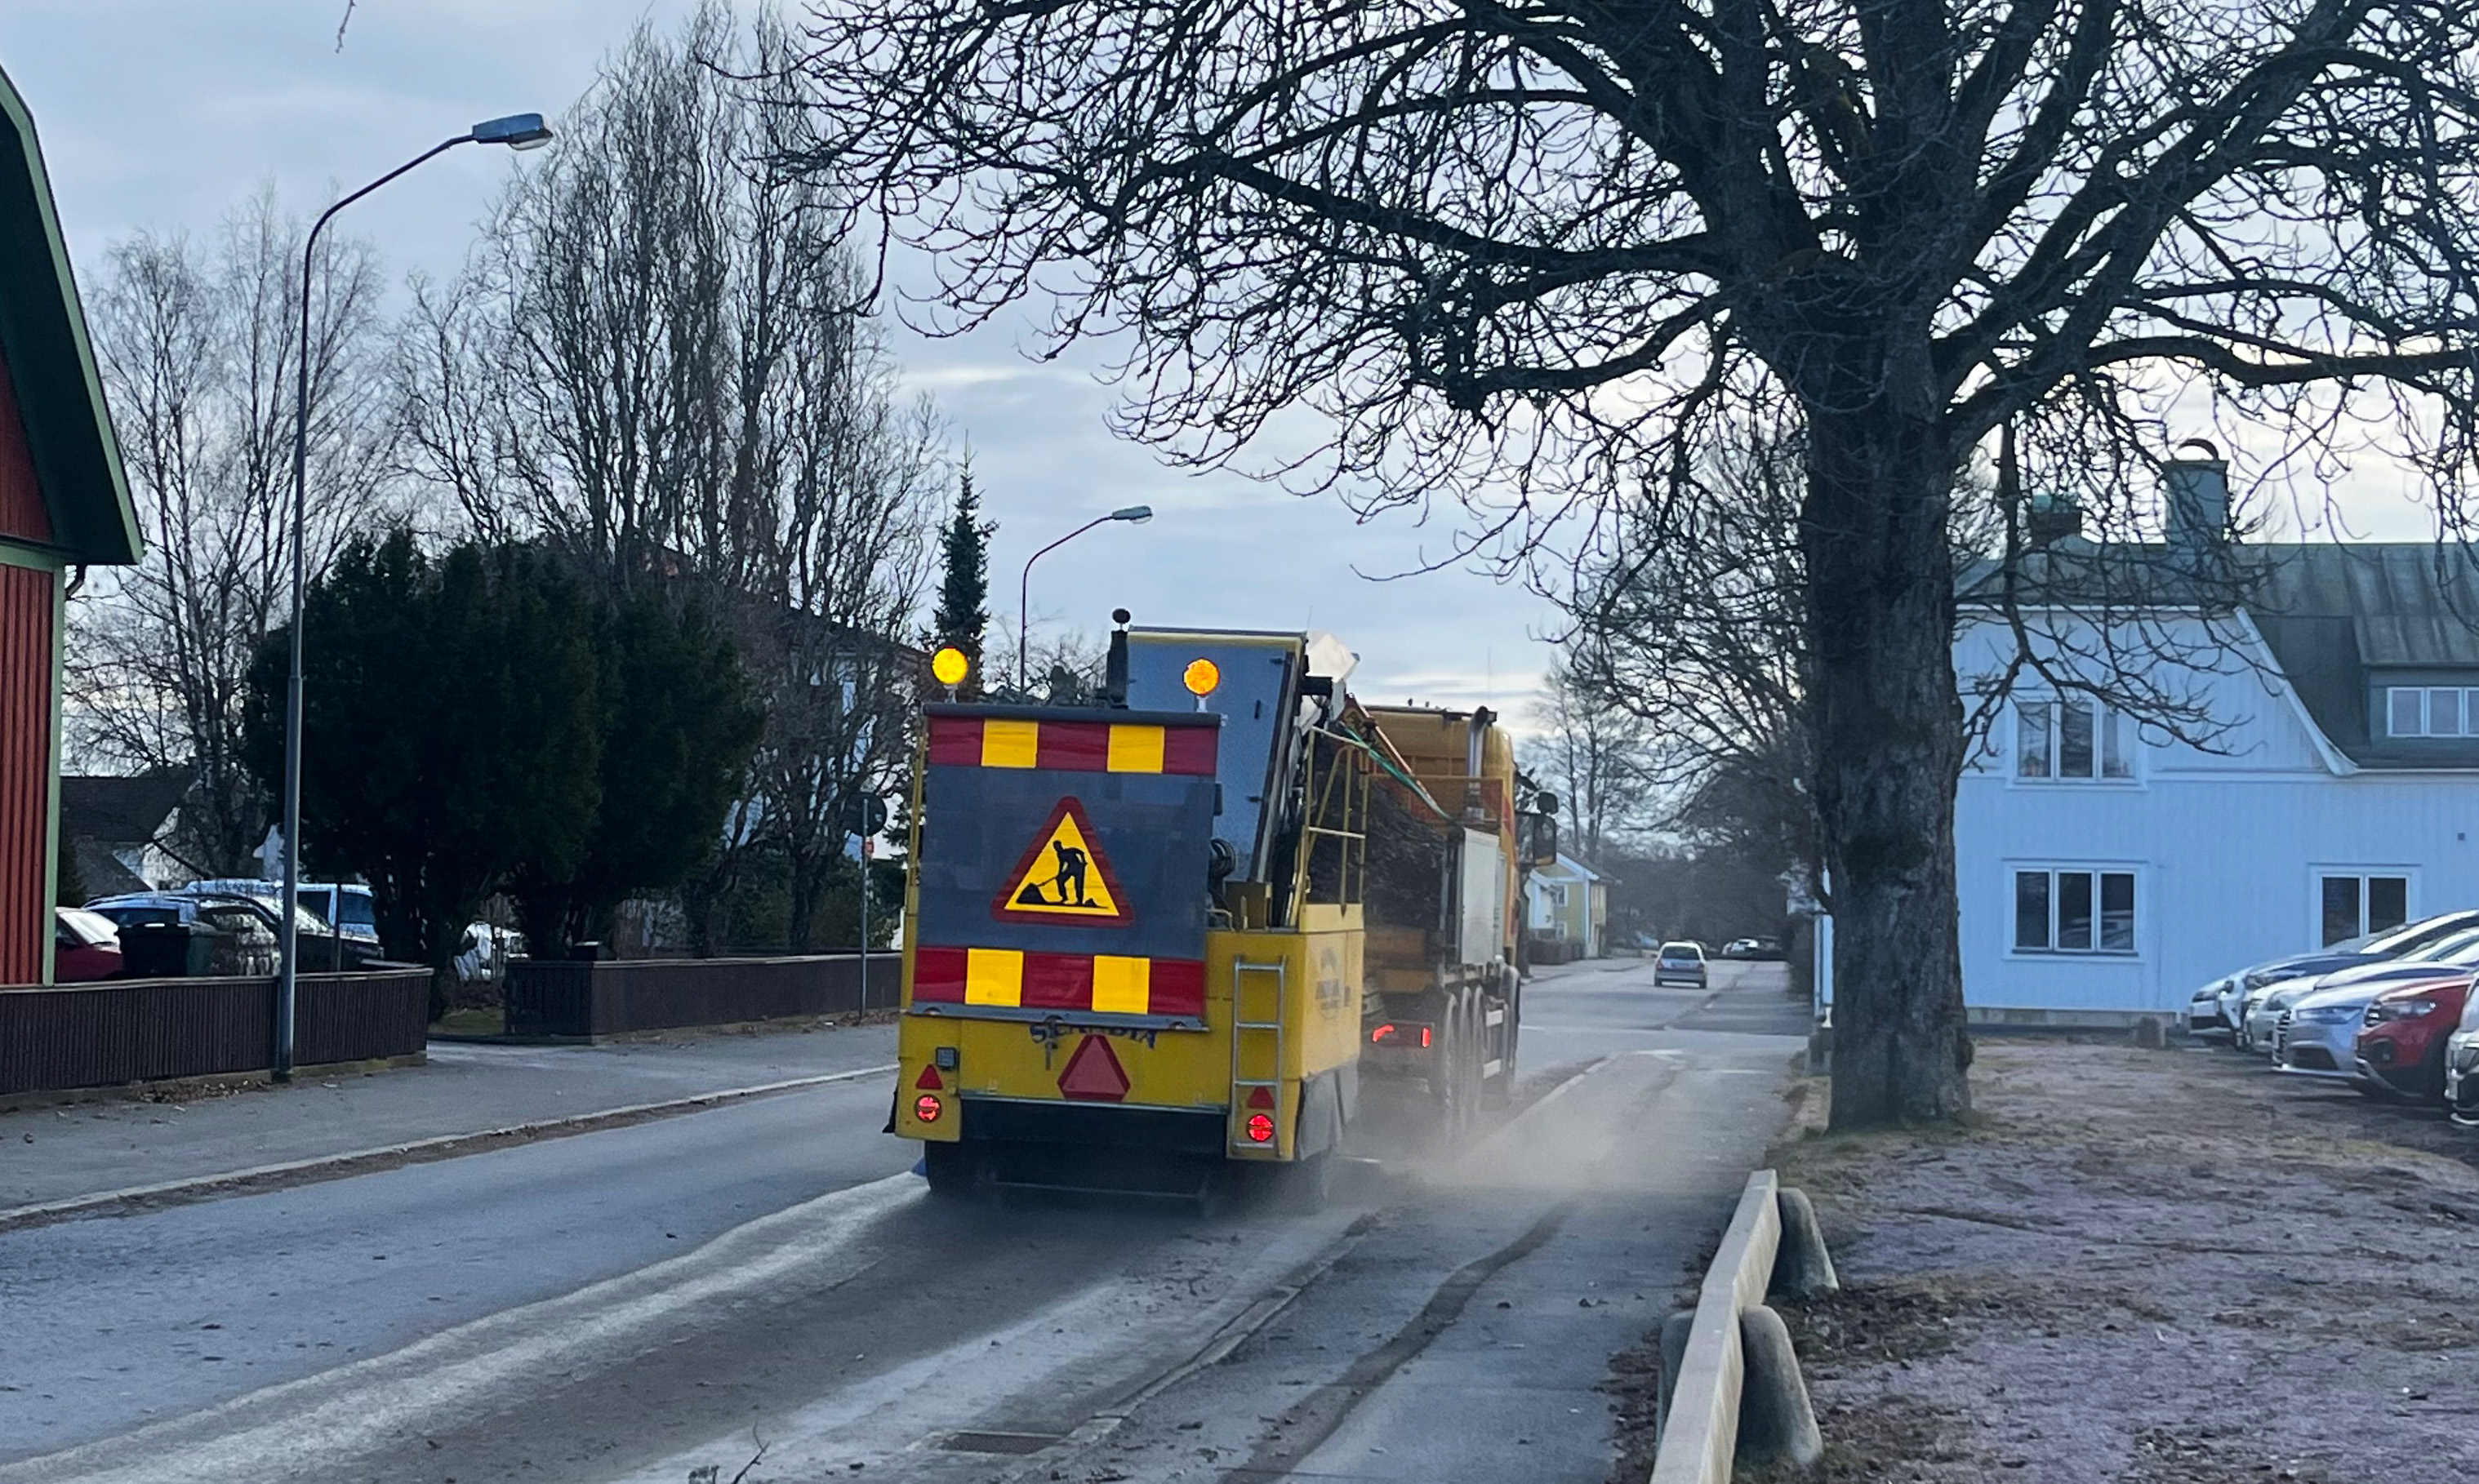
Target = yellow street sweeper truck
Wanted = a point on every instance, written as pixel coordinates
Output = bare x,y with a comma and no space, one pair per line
1168,944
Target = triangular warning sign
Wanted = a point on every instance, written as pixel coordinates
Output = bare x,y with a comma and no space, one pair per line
1063,876
1093,1073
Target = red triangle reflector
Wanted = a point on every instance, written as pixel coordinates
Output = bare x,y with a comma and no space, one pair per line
1262,1097
929,1081
1093,1074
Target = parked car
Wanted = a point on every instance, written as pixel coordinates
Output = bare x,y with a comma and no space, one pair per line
2234,992
342,910
239,936
2462,1066
248,920
2264,1005
85,946
1760,949
483,954
1679,963
2401,1047
2317,1032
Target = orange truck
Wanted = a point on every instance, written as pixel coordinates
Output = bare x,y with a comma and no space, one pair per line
1168,944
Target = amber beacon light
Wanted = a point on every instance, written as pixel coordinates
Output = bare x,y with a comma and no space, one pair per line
1201,677
950,666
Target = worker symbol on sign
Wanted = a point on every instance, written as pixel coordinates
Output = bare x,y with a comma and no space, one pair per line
1062,876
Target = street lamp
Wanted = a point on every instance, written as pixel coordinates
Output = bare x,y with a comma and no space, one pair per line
1133,514
516,131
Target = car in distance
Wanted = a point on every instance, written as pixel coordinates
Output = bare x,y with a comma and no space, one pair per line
2401,1046
344,914
1679,963
85,946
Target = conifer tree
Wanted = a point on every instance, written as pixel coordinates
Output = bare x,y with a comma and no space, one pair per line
964,582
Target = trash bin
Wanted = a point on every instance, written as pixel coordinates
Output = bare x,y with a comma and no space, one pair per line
161,950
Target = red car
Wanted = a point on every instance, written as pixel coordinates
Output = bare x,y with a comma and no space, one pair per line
2402,1047
85,945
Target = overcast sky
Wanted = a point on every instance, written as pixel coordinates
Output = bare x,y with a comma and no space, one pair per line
165,114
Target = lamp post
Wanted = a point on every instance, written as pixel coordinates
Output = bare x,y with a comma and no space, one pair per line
1133,514
516,131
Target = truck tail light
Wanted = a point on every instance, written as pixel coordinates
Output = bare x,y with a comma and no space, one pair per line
1424,1037
926,1108
1382,1034
1261,1129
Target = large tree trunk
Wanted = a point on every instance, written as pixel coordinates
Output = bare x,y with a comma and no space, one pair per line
1888,734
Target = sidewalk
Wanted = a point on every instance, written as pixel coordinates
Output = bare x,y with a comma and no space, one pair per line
53,1154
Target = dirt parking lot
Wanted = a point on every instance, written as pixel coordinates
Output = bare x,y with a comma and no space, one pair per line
2146,1265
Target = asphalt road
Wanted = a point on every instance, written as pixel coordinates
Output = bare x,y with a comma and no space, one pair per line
646,1301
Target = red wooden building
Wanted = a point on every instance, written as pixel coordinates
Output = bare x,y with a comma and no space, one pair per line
63,504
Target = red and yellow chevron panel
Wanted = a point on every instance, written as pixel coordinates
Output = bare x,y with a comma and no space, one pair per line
1100,983
1075,746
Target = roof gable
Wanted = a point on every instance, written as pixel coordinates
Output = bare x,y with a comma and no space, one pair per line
50,360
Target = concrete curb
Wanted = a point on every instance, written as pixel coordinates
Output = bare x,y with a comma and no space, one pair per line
1720,1385
442,1145
1702,1429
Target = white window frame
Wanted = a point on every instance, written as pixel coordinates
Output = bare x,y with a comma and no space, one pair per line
2317,874
2468,718
2096,871
2107,722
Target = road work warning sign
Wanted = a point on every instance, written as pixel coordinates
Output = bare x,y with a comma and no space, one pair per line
1063,876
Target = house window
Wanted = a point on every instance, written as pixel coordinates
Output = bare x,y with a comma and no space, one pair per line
2356,905
2432,711
2072,738
2070,910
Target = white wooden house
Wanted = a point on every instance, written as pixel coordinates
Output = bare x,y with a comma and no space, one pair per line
2106,868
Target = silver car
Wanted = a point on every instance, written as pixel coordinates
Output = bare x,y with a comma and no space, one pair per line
2319,1035
2262,1007
2462,1068
1679,963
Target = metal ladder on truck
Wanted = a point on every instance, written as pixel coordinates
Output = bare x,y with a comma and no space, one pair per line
1250,1036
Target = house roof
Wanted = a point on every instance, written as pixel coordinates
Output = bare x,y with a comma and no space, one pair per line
2342,619
51,362
121,809
1567,865
101,874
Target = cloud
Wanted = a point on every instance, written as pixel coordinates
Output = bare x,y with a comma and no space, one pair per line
166,113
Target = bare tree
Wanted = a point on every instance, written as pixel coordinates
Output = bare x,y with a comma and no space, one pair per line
198,353
1688,610
1600,757
657,361
1527,251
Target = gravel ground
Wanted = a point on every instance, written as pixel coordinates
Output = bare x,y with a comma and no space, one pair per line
2157,1266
